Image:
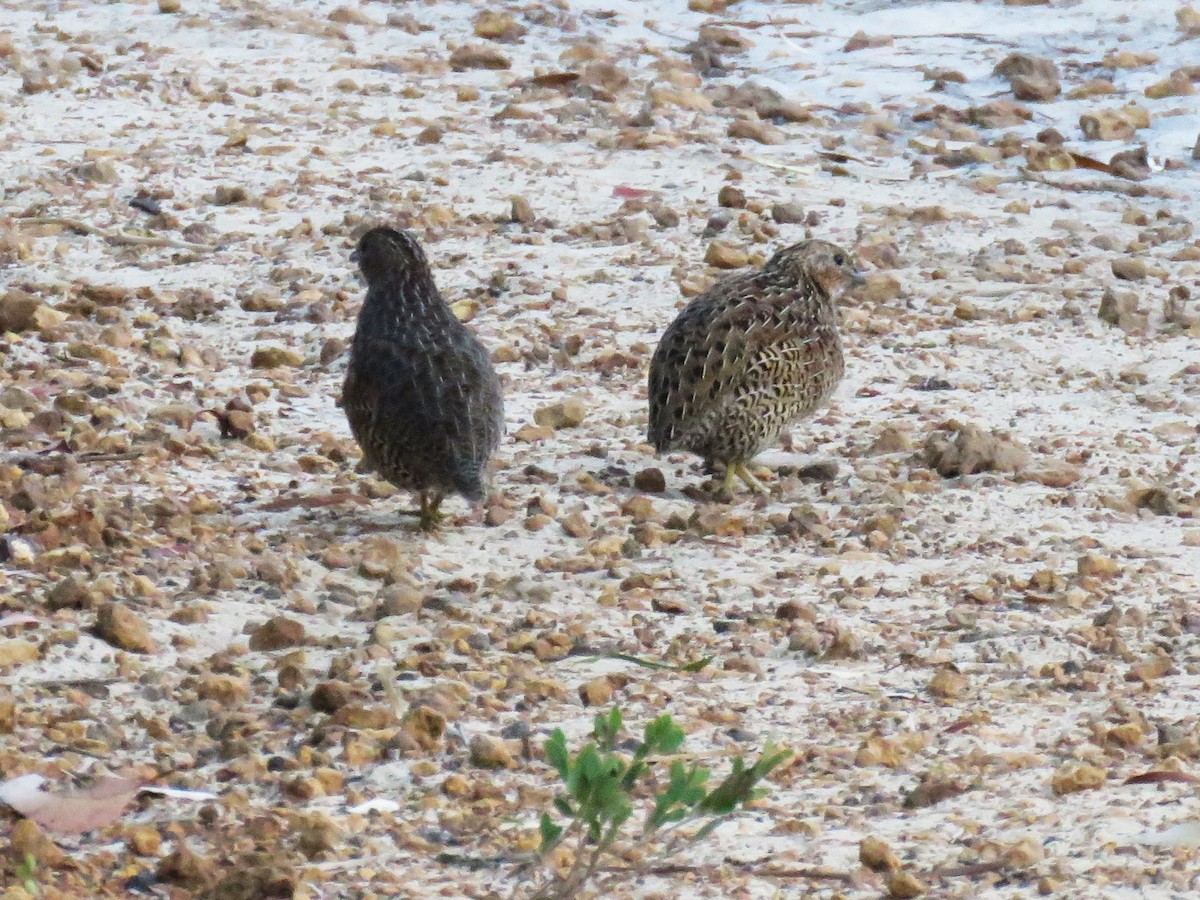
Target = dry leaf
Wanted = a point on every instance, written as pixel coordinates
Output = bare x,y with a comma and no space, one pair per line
554,79
1086,162
625,192
70,812
1160,776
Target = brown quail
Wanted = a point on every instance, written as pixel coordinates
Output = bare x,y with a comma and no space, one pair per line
421,396
749,356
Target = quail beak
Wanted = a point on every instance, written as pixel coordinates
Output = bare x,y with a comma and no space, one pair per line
858,279
354,257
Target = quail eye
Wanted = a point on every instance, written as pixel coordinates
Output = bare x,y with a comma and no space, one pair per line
838,259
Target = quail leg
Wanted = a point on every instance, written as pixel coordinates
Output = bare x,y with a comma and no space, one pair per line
731,471
748,477
430,515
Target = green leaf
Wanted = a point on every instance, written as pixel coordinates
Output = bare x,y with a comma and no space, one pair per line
588,766
691,792
635,771
600,784
557,754
726,796
636,767
659,736
684,790
550,833
606,729
26,872
738,786
663,735
771,758
608,789
621,813
678,814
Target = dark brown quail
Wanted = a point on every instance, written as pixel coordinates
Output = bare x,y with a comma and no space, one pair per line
421,396
749,356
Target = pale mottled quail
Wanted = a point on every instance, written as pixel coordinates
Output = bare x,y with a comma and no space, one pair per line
421,396
749,356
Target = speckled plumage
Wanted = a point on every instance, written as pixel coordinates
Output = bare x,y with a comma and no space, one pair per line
421,396
752,354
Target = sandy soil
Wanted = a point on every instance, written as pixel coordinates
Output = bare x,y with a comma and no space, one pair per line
968,666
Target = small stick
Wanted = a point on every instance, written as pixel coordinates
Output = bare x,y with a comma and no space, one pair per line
1116,187
318,501
44,460
743,868
974,870
113,237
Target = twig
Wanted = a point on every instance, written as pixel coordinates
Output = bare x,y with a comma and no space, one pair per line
682,41
52,462
81,683
822,873
834,156
787,38
479,863
771,164
960,35
752,25
554,883
387,680
744,868
811,874
113,237
110,457
592,655
1115,187
283,504
753,868
972,871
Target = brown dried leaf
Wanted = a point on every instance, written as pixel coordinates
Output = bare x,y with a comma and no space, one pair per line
1161,776
1086,162
70,812
554,79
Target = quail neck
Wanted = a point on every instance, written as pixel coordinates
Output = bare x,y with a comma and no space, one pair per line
402,299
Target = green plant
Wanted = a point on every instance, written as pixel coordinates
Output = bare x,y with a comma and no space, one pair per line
602,786
26,871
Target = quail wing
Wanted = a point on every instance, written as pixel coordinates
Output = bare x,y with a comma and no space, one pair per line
433,412
698,366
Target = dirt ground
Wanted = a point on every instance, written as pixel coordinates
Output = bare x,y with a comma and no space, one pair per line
968,603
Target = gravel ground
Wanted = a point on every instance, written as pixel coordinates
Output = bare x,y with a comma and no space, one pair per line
968,603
